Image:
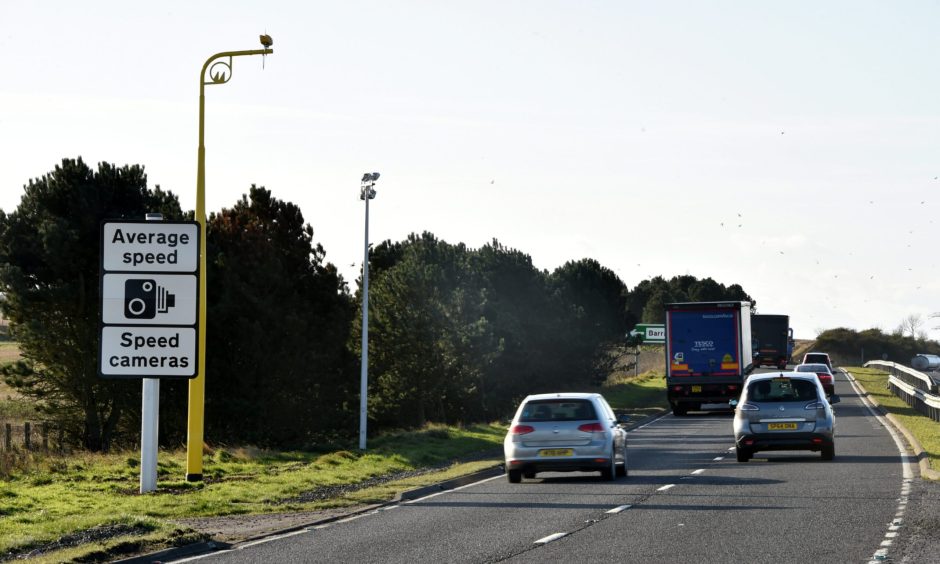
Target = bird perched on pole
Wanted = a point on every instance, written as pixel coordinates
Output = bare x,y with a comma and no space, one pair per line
267,42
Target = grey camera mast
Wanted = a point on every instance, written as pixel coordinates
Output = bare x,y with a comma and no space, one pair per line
149,299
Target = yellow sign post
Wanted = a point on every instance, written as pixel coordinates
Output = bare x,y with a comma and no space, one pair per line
216,70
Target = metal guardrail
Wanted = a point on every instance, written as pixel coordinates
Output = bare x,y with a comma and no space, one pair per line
917,389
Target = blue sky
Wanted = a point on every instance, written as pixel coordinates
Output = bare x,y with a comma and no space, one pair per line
789,147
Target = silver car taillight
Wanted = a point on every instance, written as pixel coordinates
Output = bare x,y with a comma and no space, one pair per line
815,405
748,407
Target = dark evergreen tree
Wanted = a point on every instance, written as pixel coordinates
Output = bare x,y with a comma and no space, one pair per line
595,299
49,270
278,370
648,299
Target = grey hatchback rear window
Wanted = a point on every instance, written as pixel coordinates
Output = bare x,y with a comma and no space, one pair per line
782,390
557,410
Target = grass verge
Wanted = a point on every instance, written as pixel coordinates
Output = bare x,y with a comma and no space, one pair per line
924,429
68,499
639,396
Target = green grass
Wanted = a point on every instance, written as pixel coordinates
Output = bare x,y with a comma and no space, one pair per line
60,496
640,396
9,352
925,429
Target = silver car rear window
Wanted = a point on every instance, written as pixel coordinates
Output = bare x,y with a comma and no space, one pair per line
557,410
782,390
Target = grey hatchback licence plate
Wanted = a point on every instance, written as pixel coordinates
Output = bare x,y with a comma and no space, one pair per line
556,452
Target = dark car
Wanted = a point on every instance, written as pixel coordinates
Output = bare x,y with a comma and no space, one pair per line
826,378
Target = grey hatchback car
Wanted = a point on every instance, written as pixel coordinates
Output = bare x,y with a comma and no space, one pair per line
568,432
784,411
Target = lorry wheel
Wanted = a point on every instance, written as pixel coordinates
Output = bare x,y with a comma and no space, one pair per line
514,476
743,454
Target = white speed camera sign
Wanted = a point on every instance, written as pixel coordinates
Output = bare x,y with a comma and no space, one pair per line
149,299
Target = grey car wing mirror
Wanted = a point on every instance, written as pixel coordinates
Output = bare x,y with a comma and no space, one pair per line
733,403
833,399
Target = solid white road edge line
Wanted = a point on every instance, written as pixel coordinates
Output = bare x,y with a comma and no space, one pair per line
269,539
453,490
906,472
550,538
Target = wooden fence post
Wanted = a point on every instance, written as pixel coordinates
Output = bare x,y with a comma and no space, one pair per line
27,431
8,439
44,432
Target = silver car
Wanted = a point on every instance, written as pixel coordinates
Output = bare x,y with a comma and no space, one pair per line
567,432
784,411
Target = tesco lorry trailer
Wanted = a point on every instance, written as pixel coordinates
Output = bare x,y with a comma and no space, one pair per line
708,353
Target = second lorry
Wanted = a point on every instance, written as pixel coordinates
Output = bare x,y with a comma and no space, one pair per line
772,339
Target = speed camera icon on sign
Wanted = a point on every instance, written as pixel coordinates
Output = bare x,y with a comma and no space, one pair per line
144,299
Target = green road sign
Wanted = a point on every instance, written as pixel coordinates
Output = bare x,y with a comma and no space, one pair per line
650,333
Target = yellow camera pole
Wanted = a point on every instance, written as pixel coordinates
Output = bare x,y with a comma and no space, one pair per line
214,71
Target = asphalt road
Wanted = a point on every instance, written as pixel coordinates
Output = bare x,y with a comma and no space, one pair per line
686,500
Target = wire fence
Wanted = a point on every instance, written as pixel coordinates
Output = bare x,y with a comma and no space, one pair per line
42,436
